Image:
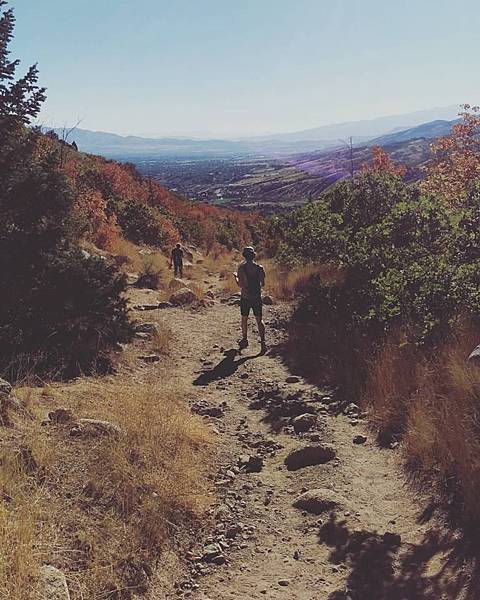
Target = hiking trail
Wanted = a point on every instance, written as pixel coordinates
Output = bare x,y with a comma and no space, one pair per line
363,534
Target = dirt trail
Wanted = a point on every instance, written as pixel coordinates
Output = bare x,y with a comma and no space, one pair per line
379,543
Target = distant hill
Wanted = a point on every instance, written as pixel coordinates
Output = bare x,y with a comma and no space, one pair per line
365,129
429,130
329,137
112,145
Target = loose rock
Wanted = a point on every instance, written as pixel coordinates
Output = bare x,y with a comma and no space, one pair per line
304,422
150,358
54,583
319,500
359,439
94,428
292,379
183,297
309,456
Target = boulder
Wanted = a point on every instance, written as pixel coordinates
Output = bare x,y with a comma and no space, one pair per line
309,456
54,583
183,297
292,379
319,500
267,300
95,428
304,422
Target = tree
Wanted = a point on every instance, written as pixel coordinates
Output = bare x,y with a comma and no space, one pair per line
455,163
60,311
21,99
382,163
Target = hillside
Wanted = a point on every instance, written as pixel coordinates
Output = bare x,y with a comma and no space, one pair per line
289,183
432,129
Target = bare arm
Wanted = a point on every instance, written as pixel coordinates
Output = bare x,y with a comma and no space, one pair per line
262,278
240,278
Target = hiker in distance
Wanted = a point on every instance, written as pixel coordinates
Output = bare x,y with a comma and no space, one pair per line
250,277
176,258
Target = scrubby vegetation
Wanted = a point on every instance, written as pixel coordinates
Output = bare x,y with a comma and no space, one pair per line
390,300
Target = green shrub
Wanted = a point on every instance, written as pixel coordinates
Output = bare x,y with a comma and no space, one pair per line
141,223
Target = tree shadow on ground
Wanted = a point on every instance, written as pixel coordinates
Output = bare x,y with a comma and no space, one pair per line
443,566
225,368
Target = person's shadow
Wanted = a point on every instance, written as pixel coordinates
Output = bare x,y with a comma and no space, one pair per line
225,368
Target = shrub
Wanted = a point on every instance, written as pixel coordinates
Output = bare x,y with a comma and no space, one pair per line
64,317
142,224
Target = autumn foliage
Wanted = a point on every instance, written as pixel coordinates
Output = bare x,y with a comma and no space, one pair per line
113,199
382,163
455,163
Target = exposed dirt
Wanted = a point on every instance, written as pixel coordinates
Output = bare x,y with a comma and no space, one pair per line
380,541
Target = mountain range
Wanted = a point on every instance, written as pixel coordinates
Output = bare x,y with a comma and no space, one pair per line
389,129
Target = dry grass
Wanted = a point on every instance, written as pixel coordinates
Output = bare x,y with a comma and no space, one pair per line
287,284
130,258
21,508
153,273
434,402
162,339
100,509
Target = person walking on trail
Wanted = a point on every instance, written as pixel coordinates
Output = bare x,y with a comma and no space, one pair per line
250,277
177,259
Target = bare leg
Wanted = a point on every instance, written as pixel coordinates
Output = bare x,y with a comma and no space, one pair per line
261,329
244,327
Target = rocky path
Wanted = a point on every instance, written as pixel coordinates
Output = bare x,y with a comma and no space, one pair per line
356,532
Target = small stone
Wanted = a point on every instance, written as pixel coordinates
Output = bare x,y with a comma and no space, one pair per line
359,439
292,379
54,583
149,358
304,422
284,582
94,428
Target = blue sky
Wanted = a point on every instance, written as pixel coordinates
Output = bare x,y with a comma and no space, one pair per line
242,67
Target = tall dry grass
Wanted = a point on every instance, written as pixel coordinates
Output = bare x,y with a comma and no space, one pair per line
153,478
288,283
26,461
100,509
433,402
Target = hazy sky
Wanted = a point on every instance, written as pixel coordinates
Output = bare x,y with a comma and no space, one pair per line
241,67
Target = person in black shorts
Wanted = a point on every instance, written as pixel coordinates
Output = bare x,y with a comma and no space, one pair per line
177,259
250,277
